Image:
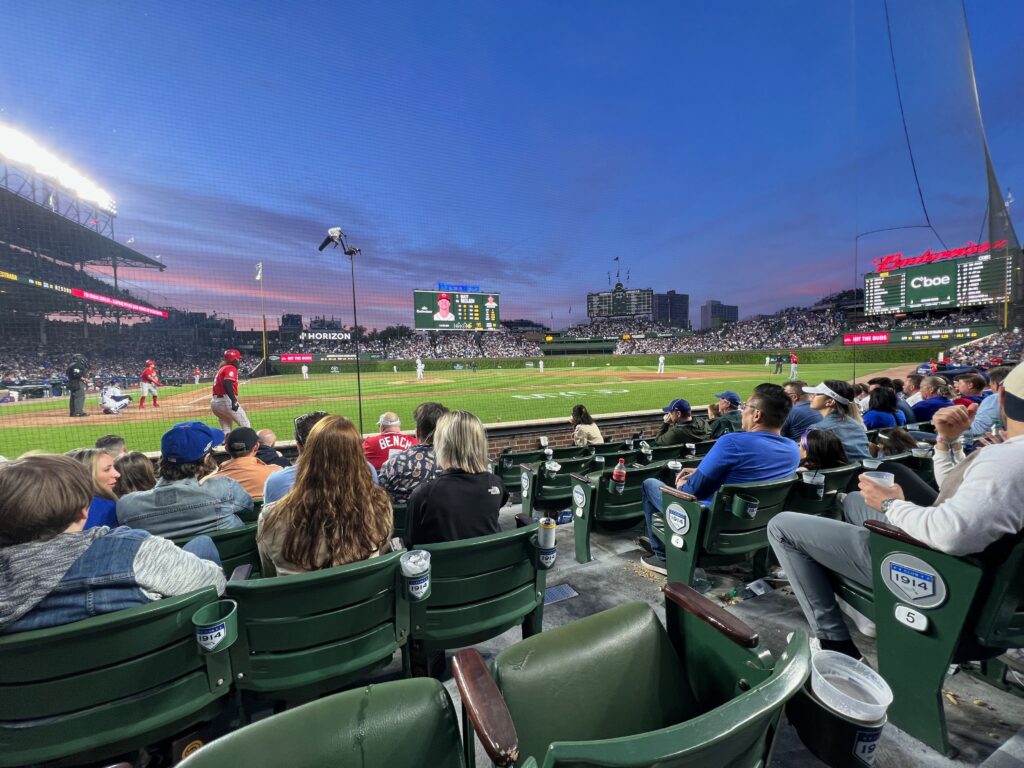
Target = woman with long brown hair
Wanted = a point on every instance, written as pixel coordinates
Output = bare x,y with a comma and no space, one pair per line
334,514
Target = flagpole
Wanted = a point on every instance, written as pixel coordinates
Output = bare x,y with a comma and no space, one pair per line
263,310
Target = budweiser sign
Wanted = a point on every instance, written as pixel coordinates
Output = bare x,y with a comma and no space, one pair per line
898,261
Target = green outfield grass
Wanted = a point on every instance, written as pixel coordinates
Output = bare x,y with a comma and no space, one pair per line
494,395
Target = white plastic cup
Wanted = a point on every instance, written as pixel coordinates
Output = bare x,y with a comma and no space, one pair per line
849,687
871,463
675,466
415,567
884,479
691,449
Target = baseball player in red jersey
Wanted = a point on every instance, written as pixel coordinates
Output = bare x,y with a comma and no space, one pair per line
150,382
225,405
197,374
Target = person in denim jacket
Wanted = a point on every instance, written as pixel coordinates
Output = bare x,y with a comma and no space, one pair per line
54,572
179,505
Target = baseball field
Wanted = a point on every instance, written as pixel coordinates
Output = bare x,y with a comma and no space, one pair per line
495,395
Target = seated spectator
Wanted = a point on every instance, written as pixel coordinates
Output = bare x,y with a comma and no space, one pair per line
969,388
243,467
758,453
178,505
136,473
279,483
833,399
821,449
901,405
379,448
935,394
112,444
912,389
801,416
977,505
890,442
401,475
584,430
729,418
862,395
267,452
988,412
464,499
54,572
103,507
882,411
678,426
334,514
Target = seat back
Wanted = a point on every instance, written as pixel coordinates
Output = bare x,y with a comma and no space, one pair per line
804,498
607,448
109,684
610,505
399,723
251,516
480,587
508,467
544,491
400,515
1000,623
236,546
315,632
727,533
704,446
666,452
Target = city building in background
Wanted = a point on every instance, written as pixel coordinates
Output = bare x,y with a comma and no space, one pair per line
715,313
672,309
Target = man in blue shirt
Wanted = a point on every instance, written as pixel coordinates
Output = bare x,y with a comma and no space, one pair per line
802,417
758,453
988,411
279,483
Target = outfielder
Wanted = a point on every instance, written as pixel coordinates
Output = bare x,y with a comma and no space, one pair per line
419,368
225,405
305,372
661,363
150,382
197,374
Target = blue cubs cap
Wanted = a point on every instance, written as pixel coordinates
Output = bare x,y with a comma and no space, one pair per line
729,395
188,442
677,405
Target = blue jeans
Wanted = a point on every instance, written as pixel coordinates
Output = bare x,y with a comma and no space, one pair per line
651,495
203,547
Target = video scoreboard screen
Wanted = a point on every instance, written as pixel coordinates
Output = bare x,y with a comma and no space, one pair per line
985,279
456,311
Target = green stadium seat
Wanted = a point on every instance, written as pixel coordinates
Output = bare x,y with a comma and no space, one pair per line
542,492
704,446
401,723
724,533
236,546
618,689
97,689
804,498
596,503
605,449
509,463
400,514
952,610
253,515
480,587
305,635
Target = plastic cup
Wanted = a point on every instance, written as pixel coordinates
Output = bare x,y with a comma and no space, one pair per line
415,567
675,466
884,479
816,481
871,463
922,451
691,449
849,687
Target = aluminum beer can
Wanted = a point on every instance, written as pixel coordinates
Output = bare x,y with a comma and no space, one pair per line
546,533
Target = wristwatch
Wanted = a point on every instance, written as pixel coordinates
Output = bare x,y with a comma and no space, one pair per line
887,505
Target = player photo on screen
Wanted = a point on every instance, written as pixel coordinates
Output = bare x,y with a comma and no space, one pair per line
444,308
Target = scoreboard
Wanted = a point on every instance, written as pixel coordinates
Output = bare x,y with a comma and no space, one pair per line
455,311
984,279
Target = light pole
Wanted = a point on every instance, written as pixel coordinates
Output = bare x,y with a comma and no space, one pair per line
337,237
263,312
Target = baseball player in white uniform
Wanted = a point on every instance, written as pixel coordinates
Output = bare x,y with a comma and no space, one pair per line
661,363
419,368
111,400
305,372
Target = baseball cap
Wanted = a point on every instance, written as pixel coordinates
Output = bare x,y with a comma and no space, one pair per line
189,441
729,395
1013,386
241,439
444,296
677,405
821,389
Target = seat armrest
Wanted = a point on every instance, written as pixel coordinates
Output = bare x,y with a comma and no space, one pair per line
579,478
485,707
892,532
729,625
523,520
241,572
677,493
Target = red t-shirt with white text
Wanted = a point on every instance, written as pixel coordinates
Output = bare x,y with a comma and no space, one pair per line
379,448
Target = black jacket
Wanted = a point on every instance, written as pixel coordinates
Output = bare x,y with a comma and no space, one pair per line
455,505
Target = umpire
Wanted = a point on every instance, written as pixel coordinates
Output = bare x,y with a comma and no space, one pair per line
75,372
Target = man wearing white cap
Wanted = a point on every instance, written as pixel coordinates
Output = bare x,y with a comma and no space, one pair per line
979,503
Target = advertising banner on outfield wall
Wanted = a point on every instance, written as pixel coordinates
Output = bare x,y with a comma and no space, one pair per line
909,336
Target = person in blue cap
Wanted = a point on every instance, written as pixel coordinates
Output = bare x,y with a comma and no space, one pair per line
678,426
179,505
729,418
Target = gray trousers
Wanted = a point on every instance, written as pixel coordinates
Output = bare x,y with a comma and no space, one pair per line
810,549
77,402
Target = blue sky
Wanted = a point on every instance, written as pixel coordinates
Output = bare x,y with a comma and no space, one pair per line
726,151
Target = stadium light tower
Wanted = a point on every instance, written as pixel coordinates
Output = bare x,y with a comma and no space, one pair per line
337,237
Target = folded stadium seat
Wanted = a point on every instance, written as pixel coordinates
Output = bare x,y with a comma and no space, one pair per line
402,723
313,633
254,515
617,689
508,468
100,688
236,546
479,588
734,528
400,516
597,503
606,448
704,446
804,497
931,610
543,492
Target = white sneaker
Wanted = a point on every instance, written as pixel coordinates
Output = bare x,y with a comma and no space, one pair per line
864,625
